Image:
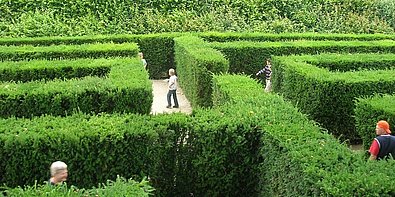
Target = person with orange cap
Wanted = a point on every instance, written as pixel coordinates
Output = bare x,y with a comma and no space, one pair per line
384,144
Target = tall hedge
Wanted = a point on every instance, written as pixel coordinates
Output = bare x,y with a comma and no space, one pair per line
196,62
121,90
25,71
298,157
328,97
158,49
249,57
96,149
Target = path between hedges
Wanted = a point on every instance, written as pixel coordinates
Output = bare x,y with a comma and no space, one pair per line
160,99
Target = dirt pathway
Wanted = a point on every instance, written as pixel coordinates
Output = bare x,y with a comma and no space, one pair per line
160,99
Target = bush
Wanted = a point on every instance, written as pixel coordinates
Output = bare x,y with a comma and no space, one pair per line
195,64
248,57
98,50
96,148
118,92
328,97
119,187
298,158
45,18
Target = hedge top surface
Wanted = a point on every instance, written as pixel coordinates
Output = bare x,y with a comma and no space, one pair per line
68,48
210,36
41,64
336,57
381,102
46,41
303,43
119,76
233,36
298,63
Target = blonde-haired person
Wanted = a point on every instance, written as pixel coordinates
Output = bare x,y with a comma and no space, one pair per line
172,89
143,61
59,173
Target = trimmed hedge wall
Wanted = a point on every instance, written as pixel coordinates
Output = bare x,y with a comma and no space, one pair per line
249,57
120,91
96,148
270,37
298,158
98,50
25,71
328,97
255,145
369,111
195,64
158,49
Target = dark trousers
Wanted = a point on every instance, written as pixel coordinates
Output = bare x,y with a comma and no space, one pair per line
169,94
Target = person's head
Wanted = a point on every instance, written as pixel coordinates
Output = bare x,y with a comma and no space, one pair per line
268,62
172,72
382,127
58,172
141,55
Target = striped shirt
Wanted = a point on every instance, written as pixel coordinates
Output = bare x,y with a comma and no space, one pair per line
267,70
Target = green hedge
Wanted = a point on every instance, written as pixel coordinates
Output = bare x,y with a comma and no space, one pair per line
28,52
25,71
96,148
195,64
121,90
298,157
158,49
271,37
328,97
119,187
249,57
369,111
250,144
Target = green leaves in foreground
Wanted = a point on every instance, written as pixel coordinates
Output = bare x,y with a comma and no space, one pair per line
120,187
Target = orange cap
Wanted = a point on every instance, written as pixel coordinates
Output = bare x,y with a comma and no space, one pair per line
384,125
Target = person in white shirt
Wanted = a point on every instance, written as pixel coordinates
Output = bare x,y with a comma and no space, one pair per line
143,61
172,89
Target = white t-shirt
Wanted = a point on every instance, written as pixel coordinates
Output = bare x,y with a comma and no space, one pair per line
173,83
144,63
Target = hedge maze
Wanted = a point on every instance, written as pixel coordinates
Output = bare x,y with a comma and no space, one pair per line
239,141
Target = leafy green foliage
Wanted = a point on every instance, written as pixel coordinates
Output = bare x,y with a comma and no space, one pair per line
298,157
196,62
249,57
25,71
96,148
21,18
119,187
328,97
120,91
157,48
98,50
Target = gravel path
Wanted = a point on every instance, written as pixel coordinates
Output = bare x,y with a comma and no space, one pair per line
160,99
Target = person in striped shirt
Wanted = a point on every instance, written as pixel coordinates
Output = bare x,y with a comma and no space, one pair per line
267,70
